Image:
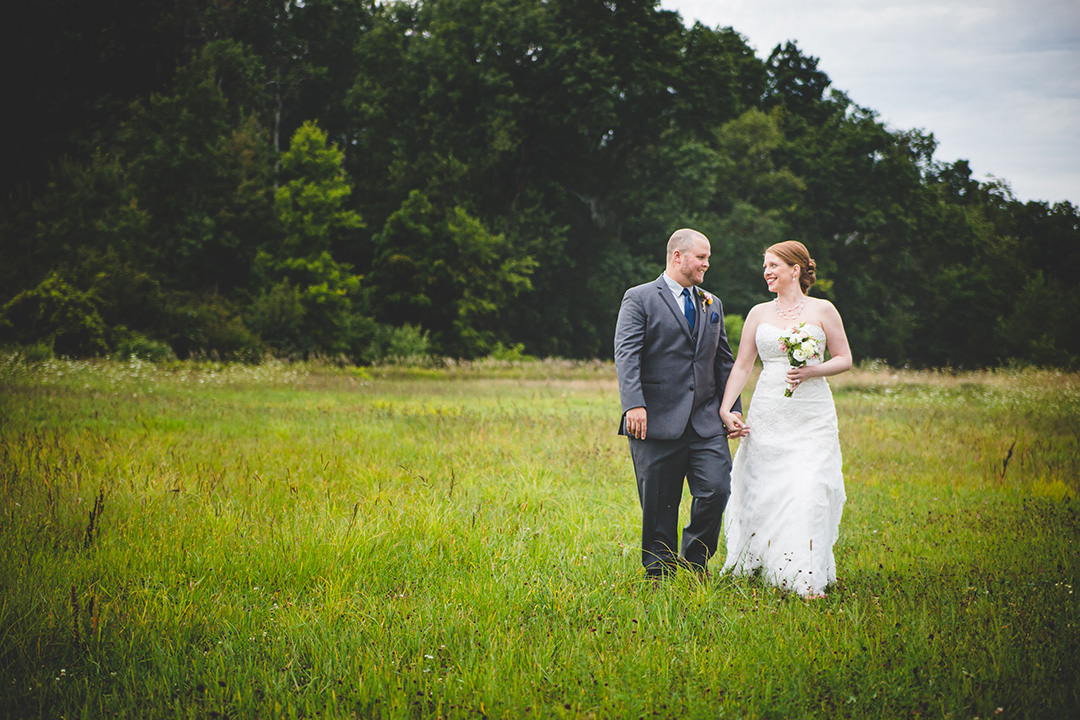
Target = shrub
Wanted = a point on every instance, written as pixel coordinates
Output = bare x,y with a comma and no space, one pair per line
135,345
408,343
210,325
733,324
58,314
277,315
34,353
511,353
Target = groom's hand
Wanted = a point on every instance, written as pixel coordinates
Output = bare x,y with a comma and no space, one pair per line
636,420
734,427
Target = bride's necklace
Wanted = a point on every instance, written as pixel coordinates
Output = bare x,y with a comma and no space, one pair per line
792,313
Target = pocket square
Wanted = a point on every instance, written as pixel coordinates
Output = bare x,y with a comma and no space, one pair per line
715,318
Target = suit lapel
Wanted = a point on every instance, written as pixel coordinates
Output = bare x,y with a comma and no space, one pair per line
676,311
701,322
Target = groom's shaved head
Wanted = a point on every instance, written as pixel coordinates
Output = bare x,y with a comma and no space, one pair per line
681,240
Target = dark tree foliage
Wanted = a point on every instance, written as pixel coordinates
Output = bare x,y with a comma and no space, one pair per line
344,177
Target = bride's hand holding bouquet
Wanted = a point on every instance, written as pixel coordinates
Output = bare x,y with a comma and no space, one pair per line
800,347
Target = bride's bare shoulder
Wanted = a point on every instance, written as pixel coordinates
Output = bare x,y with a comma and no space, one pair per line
755,316
822,306
758,310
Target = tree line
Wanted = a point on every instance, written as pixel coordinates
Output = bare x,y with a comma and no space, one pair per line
468,177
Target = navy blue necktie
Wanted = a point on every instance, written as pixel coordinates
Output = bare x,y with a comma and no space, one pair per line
688,308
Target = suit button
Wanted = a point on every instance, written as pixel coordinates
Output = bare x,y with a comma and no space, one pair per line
691,388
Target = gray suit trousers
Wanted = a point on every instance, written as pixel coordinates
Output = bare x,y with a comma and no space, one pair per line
660,467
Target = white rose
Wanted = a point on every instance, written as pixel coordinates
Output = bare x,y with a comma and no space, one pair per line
799,355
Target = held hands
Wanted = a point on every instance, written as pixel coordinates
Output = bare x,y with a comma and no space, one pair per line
733,425
637,421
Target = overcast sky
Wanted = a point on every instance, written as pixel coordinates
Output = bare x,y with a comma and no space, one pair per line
996,81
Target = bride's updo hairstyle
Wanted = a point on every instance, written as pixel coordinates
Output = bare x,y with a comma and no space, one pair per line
794,252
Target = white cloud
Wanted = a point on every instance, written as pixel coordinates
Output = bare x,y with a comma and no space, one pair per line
996,81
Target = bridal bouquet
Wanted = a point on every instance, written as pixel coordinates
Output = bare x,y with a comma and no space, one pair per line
800,346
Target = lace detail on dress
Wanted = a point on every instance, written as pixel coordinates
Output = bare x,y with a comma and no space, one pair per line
787,492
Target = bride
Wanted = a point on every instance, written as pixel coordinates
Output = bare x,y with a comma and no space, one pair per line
787,485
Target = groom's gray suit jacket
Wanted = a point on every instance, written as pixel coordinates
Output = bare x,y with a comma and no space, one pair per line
677,376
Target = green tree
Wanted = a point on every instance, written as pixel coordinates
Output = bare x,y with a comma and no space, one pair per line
90,61
307,301
203,172
310,204
445,272
548,146
1032,331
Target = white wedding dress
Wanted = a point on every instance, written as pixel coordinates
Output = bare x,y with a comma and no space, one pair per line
787,483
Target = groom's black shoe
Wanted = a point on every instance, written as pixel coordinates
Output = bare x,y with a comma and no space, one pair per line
658,574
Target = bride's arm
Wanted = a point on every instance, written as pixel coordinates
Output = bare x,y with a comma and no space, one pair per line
837,341
740,371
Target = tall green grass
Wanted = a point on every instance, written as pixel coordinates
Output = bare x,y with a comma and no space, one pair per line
200,540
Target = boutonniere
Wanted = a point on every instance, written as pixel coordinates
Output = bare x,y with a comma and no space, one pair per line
706,299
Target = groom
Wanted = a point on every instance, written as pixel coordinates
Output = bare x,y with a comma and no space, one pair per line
673,360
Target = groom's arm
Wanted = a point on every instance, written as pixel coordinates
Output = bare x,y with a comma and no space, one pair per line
629,345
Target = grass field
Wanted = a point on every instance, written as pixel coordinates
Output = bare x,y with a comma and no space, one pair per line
199,540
